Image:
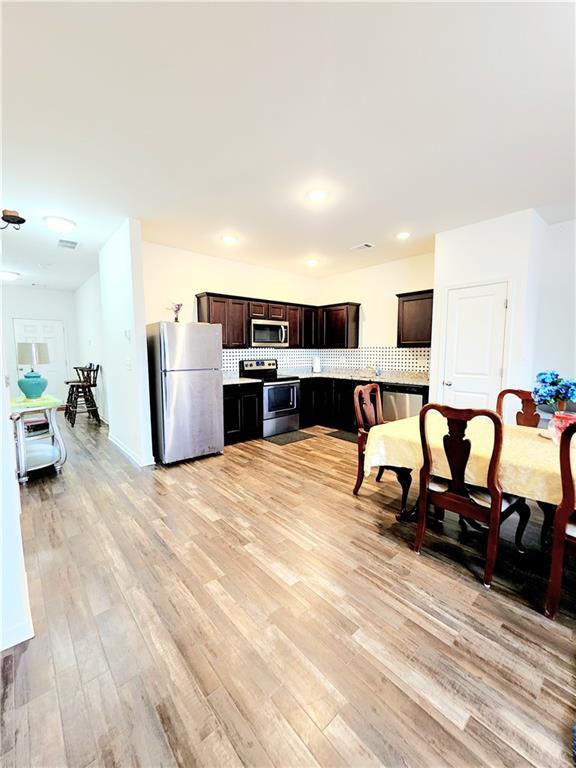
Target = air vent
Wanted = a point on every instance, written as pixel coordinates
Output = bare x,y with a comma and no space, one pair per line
362,247
67,243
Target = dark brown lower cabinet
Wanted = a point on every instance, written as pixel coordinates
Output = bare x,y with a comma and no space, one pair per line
316,401
242,412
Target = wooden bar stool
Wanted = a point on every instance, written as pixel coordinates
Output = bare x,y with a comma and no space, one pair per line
80,395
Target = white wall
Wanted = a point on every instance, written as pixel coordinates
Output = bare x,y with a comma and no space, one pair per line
172,275
32,303
89,335
376,288
555,291
124,343
15,618
515,249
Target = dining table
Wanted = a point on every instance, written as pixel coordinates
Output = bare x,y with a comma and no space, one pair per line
529,463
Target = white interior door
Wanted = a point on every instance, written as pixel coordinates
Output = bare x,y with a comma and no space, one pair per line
50,332
475,332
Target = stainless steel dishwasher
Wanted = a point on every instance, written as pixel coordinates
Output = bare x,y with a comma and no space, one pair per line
400,405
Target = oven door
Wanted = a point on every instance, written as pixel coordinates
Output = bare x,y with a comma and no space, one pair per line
269,333
281,398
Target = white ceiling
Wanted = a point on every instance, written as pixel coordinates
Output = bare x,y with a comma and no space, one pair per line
201,119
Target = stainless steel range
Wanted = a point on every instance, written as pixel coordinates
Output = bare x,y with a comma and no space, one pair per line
281,401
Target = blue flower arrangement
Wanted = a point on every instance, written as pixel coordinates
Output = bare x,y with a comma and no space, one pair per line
552,389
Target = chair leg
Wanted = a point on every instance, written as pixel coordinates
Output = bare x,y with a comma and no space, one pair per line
380,473
404,476
421,527
360,473
548,511
524,515
491,552
556,568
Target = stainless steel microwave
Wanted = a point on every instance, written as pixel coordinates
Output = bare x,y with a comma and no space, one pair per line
269,333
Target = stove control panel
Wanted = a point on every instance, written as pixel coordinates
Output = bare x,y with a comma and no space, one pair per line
259,365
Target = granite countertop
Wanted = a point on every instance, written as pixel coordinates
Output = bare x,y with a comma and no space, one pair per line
239,380
403,378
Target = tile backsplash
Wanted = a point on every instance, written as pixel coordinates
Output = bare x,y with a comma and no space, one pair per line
383,358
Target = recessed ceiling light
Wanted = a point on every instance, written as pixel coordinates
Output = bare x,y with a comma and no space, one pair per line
229,239
312,262
9,275
59,224
402,235
317,195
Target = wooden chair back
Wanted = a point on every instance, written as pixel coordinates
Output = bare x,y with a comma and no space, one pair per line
87,374
527,416
457,448
567,505
368,406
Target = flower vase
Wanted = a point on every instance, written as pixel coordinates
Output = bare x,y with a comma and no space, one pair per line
176,319
559,421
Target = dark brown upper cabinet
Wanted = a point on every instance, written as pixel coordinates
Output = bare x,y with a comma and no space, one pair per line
339,324
258,310
231,313
415,318
335,325
309,336
294,317
276,311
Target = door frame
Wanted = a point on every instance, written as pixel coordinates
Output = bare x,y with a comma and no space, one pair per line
440,334
39,320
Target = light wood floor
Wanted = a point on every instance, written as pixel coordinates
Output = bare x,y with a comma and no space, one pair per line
247,610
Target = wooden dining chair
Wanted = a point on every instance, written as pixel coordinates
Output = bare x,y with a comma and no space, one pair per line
527,416
487,506
368,410
564,528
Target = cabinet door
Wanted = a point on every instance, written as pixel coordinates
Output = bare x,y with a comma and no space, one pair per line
251,410
344,405
293,315
258,310
308,418
415,319
309,336
237,323
218,313
334,326
232,414
276,311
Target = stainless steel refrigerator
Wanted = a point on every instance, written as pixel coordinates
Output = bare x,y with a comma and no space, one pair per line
186,396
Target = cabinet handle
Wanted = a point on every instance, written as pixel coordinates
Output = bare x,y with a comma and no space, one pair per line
447,383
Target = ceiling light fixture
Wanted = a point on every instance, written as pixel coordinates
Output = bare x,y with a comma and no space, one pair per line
6,276
229,239
59,224
317,196
402,235
12,217
312,262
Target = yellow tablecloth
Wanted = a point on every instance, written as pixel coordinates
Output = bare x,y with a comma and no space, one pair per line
529,466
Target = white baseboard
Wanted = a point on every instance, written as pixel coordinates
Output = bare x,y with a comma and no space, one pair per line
140,461
18,634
